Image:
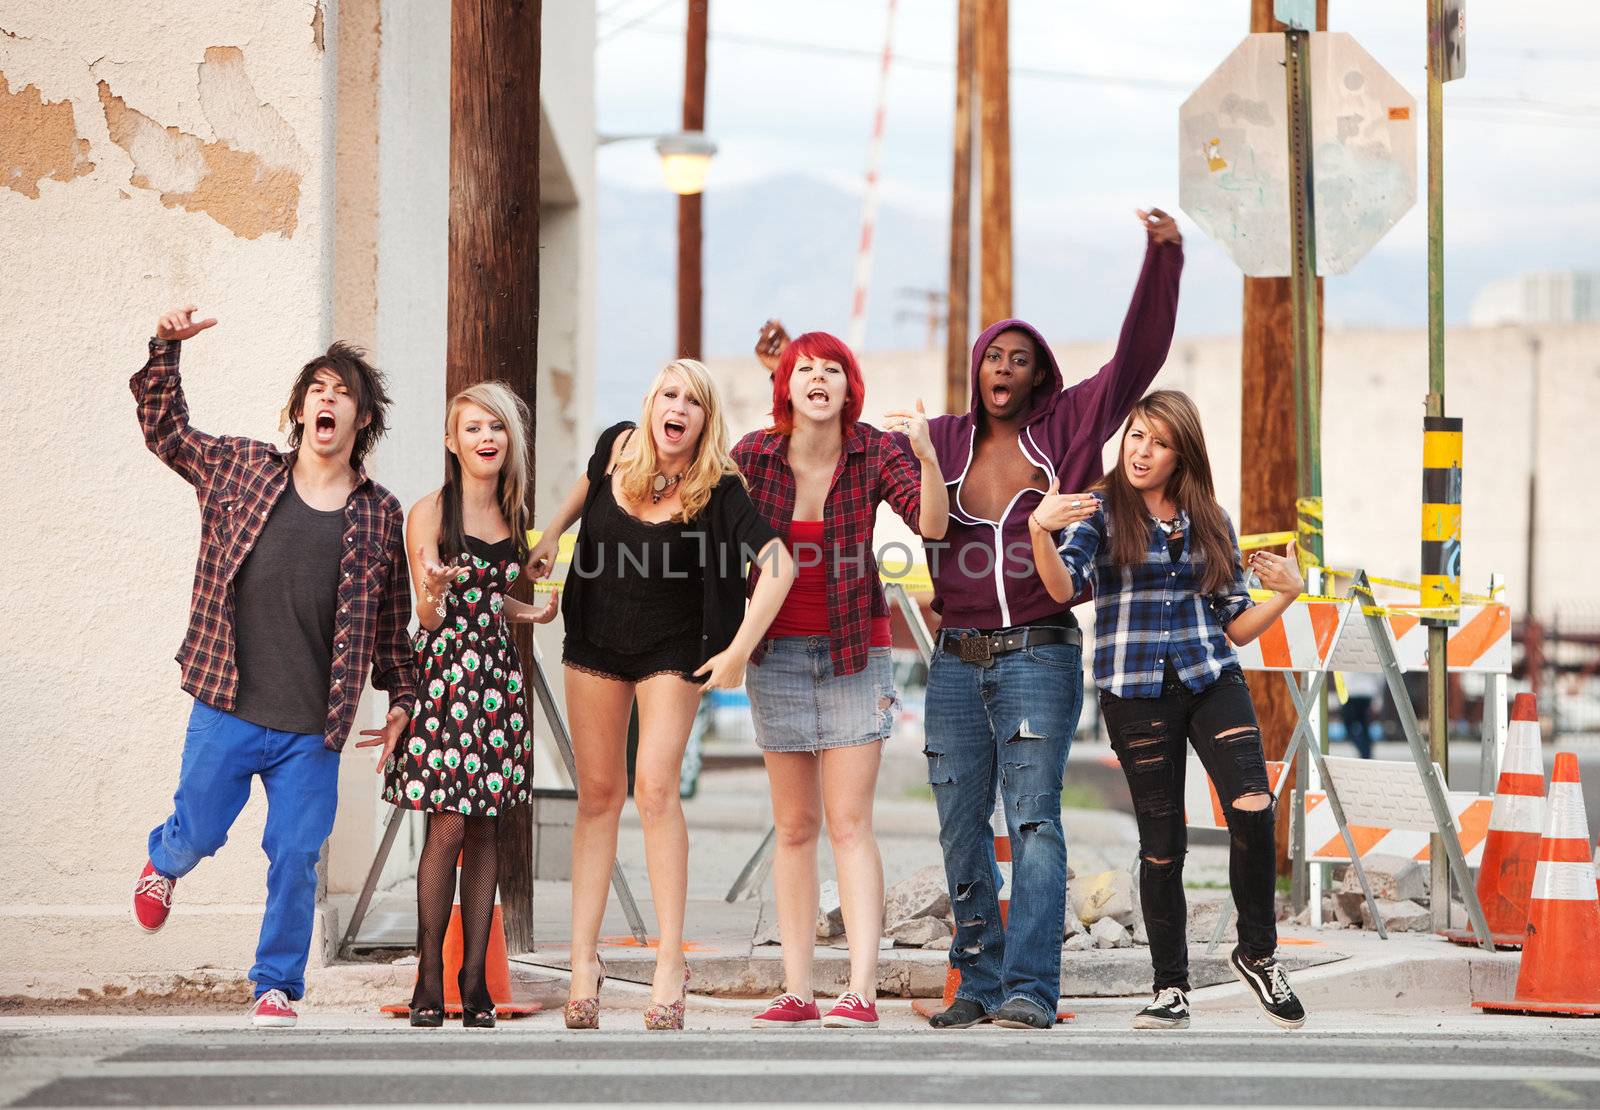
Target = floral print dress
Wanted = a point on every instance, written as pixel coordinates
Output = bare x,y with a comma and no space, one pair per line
468,747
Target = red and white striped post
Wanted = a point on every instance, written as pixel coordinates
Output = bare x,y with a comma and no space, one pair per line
869,203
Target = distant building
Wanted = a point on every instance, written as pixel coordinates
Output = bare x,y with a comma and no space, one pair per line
1550,297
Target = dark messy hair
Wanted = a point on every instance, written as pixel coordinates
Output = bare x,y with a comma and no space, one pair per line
366,384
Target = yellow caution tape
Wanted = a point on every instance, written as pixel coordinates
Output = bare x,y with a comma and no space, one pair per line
1259,540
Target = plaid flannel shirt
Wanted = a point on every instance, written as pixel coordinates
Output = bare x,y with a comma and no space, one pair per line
1153,613
873,468
237,482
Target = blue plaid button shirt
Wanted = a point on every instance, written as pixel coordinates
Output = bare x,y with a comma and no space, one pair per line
1153,613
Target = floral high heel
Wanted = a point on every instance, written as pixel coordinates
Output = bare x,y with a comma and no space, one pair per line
662,1016
585,1012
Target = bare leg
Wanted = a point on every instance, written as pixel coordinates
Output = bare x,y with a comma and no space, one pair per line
599,710
849,780
797,817
667,705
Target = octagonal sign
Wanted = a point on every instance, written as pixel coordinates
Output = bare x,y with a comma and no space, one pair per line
1233,153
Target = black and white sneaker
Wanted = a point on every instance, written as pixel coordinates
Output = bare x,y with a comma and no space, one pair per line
1270,985
1168,1010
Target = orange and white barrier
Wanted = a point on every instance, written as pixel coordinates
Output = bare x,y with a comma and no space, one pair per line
1511,853
1480,644
1560,971
1302,639
1386,805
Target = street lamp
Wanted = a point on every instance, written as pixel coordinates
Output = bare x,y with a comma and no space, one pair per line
685,157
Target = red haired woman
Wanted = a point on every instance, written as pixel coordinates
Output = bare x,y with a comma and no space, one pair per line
820,684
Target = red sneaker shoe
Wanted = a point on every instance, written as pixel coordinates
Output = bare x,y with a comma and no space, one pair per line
851,1011
273,1010
152,898
787,1012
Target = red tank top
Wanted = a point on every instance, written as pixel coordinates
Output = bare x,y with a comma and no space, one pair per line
805,610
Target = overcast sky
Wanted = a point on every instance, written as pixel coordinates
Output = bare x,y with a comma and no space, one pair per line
1094,104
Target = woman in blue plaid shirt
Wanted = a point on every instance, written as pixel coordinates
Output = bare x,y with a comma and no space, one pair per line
1171,603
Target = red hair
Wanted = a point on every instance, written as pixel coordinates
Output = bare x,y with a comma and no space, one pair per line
816,344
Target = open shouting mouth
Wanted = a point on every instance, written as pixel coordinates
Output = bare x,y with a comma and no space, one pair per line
488,452
673,430
325,426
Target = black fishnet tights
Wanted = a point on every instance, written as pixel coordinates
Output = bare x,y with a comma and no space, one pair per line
451,835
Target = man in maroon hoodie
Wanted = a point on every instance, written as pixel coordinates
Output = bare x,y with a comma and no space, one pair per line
1006,684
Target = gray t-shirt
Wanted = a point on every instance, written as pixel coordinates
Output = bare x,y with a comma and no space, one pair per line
284,600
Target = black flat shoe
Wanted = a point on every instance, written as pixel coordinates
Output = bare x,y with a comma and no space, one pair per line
961,1014
477,1019
426,1018
1020,1013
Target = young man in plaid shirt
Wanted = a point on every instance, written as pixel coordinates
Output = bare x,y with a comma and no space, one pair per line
300,587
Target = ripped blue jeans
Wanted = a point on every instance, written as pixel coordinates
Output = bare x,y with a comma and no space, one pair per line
1008,724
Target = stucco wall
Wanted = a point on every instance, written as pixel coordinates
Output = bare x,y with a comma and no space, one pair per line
152,155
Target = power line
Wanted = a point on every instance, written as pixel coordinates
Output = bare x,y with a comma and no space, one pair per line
1539,112
636,20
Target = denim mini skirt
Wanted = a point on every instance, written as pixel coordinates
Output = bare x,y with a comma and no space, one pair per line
799,705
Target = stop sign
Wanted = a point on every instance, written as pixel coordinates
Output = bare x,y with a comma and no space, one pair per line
1233,153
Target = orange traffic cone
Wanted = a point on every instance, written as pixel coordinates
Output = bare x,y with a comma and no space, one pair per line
1560,971
1511,852
497,972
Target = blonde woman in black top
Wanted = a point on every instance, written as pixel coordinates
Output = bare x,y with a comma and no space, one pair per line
655,610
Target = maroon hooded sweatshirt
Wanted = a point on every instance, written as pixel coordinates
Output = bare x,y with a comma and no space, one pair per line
982,570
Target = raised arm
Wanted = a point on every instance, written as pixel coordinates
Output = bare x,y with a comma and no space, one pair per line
542,559
1241,617
921,499
1101,403
1064,566
163,412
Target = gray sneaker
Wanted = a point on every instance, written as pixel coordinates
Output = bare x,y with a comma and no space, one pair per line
1023,1013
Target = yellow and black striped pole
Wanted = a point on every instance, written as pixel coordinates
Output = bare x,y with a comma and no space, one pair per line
1441,520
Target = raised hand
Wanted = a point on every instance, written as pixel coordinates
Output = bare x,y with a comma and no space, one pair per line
1160,227
1278,573
180,324
914,425
770,344
387,736
1056,510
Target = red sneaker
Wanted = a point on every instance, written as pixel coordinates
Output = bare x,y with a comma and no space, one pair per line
152,898
851,1011
787,1012
273,1010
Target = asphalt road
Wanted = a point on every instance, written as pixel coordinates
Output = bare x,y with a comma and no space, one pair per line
1419,1063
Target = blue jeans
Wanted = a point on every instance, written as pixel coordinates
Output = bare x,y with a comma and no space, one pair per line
221,754
1009,723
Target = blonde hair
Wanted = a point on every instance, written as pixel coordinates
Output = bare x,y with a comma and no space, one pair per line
500,401
638,464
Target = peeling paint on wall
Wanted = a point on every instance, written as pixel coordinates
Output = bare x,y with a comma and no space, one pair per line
316,26
248,180
38,140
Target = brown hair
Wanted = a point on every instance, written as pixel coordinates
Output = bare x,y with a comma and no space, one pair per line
1190,488
366,384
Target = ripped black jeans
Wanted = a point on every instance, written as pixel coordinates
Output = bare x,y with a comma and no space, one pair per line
1148,735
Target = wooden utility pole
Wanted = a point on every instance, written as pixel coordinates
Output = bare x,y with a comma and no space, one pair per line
1267,493
958,367
493,305
689,233
994,161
